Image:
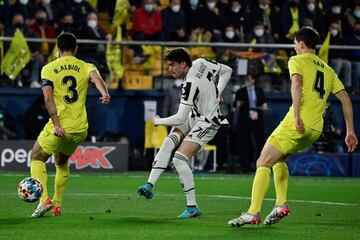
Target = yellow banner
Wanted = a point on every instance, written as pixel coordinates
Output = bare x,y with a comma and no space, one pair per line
324,50
121,12
93,3
154,136
17,56
54,54
113,59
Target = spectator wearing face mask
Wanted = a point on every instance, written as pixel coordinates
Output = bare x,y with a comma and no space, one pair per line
50,7
78,8
239,18
66,24
354,56
25,8
211,21
173,19
338,60
351,17
314,14
93,53
335,13
266,12
291,16
193,10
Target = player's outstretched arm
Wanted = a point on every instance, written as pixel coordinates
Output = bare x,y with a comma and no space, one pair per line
224,77
101,86
174,120
51,108
350,139
296,86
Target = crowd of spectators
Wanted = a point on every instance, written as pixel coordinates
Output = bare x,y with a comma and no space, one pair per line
234,21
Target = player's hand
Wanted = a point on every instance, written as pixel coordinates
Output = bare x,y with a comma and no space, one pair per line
105,99
154,119
351,141
59,131
299,124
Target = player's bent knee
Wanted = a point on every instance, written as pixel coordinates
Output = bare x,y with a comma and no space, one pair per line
179,159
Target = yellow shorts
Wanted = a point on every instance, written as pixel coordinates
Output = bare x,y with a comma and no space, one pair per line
289,141
67,144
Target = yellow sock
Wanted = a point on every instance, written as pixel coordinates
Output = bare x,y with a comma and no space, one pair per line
38,171
61,177
281,178
260,186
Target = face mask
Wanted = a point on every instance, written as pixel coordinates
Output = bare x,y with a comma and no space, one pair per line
334,32
40,21
211,5
230,34
311,7
92,23
149,7
175,8
24,2
259,32
194,3
78,1
336,10
264,6
18,25
46,1
357,13
235,10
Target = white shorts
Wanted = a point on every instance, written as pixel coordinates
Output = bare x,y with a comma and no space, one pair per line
198,131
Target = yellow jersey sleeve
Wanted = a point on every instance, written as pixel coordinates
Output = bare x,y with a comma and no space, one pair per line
295,66
337,85
91,67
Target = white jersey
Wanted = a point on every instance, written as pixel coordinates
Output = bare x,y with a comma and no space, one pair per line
200,90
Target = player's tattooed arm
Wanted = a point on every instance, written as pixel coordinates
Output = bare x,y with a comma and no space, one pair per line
101,86
51,108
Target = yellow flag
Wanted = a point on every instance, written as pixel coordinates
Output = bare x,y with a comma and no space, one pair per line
54,54
154,136
121,12
1,53
324,50
93,3
17,56
113,59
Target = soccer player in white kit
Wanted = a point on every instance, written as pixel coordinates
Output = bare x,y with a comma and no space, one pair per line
194,125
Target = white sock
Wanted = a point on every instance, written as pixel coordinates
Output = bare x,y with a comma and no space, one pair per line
186,177
162,158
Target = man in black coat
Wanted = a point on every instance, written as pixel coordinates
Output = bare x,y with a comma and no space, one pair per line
250,103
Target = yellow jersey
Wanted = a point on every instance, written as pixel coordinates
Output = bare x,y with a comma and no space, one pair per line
69,78
318,81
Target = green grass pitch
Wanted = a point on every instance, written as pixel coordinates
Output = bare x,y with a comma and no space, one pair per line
106,206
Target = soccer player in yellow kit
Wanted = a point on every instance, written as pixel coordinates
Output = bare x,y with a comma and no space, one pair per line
64,85
312,81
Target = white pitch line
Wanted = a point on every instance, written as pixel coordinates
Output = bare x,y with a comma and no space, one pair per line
201,196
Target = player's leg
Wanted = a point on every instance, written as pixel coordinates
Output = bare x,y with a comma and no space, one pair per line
186,150
281,178
61,178
162,158
269,155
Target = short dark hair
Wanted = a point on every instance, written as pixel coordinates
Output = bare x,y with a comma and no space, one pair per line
308,35
178,55
66,42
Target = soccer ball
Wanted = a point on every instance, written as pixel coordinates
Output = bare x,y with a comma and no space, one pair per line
30,189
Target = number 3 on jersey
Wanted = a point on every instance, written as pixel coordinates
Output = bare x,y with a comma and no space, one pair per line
319,84
73,96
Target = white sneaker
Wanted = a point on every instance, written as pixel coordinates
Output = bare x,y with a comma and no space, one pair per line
42,208
245,218
276,214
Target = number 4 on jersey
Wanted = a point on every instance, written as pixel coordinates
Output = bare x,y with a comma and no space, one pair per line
319,84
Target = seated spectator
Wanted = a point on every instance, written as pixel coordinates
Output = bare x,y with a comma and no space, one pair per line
314,14
212,21
44,31
222,53
66,24
18,22
93,53
337,58
239,19
50,7
291,16
335,13
173,19
352,16
78,8
26,9
268,13
194,27
354,56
